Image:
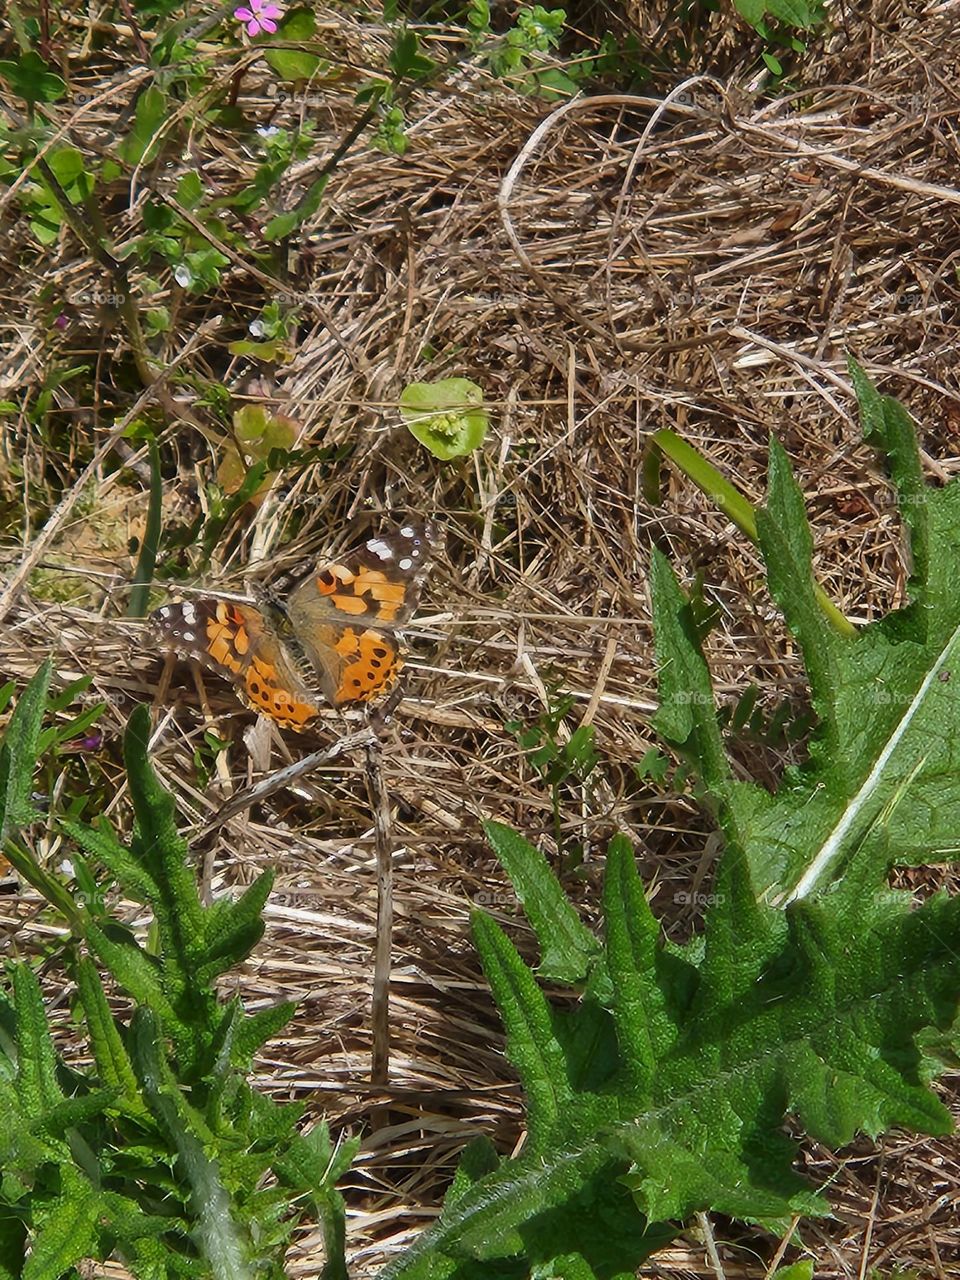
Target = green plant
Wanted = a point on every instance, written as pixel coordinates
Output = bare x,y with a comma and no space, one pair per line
446,416
205,754
815,990
292,64
138,604
187,230
159,1154
802,1270
261,443
560,759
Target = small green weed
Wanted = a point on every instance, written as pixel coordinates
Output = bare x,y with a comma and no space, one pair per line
447,417
562,759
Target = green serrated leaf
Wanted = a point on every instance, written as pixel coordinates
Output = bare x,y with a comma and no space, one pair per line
889,428
531,1043
37,1086
645,1030
218,1234
228,921
568,947
18,754
476,1161
136,973
686,715
787,546
113,1063
65,1233
102,844
257,1028
73,1113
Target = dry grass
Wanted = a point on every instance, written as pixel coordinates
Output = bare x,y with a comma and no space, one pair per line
601,272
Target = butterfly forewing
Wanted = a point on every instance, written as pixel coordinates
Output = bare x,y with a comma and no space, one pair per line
345,614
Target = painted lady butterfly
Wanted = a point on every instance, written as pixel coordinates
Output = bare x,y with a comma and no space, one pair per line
333,641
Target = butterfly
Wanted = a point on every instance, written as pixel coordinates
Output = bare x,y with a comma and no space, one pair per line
332,641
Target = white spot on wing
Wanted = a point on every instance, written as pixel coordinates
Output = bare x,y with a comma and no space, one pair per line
406,563
189,637
408,531
380,548
189,612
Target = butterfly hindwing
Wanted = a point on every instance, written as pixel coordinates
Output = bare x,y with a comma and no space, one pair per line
237,642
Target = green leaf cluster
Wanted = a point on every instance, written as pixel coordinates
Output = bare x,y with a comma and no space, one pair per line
160,1154
815,993
797,15
30,78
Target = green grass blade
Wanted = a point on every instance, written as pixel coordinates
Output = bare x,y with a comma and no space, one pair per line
734,505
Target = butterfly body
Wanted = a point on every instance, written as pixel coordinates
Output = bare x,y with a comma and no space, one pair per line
334,641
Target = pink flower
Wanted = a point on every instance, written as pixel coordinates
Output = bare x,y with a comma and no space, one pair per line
259,15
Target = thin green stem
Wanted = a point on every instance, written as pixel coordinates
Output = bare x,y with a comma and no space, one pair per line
52,890
113,266
140,594
734,505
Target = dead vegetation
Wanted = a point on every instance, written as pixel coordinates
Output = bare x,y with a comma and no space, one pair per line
602,269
